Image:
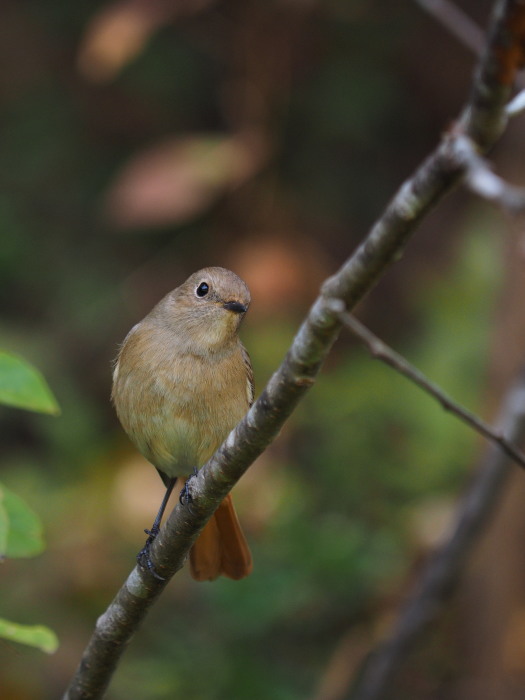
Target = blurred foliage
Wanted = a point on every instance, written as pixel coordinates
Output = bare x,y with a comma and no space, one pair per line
144,140
20,527
33,635
22,386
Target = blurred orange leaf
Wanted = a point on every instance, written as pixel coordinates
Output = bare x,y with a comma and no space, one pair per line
174,181
120,31
295,264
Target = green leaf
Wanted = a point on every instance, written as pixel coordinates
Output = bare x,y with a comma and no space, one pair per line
23,536
34,635
22,386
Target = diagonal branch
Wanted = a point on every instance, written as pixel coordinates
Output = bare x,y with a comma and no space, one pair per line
483,121
381,351
446,565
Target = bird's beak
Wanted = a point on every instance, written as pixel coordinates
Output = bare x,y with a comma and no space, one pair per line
235,306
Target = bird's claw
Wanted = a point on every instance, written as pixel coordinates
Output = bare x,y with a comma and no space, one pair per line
185,498
143,557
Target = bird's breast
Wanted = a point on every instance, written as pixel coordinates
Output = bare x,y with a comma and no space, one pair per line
178,409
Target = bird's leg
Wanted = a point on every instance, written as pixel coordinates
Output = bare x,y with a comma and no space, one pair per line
143,557
185,495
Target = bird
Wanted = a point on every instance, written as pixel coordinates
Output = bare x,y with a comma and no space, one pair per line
182,380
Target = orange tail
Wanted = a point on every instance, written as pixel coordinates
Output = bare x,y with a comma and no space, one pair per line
221,547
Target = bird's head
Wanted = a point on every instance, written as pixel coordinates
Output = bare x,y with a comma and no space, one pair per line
208,308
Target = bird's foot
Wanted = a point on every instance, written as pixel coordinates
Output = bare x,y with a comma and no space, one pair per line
185,498
144,558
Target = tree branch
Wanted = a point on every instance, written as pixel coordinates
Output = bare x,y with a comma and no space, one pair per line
446,565
483,121
485,115
381,351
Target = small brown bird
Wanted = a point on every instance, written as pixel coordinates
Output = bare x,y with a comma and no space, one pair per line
181,383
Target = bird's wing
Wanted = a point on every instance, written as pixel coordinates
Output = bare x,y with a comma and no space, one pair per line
250,388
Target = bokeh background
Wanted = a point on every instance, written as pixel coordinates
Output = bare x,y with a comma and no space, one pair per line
144,139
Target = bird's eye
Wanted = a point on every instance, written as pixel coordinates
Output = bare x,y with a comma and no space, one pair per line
202,289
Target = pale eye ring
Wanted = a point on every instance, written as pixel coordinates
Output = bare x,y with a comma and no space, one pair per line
202,289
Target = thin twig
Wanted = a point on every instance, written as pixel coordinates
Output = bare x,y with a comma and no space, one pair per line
481,180
483,120
446,565
457,22
381,351
516,105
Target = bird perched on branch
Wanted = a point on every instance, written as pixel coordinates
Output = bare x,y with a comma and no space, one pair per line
182,381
